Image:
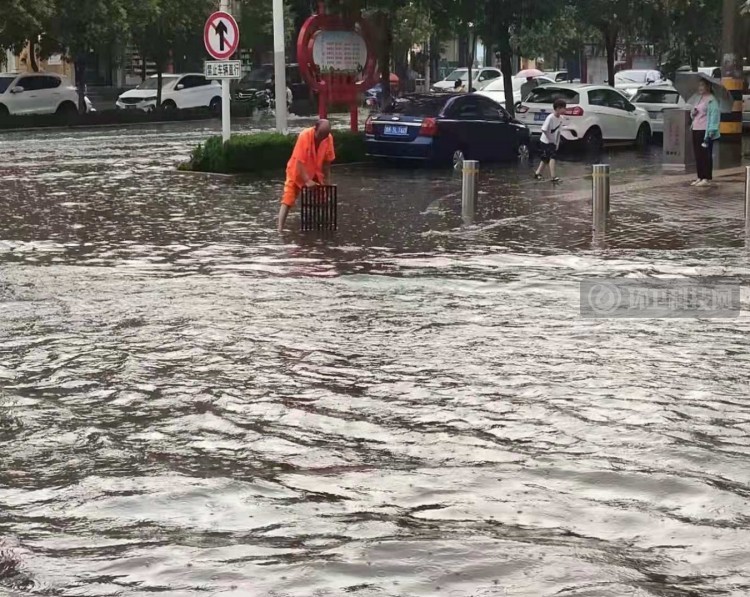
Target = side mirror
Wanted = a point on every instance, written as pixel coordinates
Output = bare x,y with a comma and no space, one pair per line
17,89
180,86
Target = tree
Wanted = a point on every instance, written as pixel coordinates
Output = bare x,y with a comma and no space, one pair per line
163,29
615,20
496,20
78,27
24,21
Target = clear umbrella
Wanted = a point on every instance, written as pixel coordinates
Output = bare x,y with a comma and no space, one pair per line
686,85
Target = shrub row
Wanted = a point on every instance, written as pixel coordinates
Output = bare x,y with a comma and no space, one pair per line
265,152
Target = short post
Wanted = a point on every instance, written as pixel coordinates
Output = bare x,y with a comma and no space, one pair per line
469,190
600,197
747,202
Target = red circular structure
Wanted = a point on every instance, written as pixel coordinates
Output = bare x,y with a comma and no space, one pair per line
341,73
221,35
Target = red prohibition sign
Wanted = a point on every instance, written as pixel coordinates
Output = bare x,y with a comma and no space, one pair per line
221,35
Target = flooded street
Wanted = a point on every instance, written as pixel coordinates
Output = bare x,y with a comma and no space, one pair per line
191,404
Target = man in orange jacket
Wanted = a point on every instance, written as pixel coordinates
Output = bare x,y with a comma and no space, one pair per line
309,166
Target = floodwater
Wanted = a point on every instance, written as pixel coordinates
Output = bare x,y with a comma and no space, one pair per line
192,405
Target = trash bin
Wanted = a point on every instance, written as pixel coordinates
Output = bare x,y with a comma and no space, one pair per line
678,142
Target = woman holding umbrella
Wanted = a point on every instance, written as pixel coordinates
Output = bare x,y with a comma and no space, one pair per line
706,116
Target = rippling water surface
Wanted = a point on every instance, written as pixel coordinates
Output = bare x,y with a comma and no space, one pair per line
192,405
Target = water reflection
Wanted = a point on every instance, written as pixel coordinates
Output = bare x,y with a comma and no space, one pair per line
192,404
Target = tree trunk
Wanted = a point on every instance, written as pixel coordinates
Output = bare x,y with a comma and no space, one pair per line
610,45
159,77
472,49
144,72
506,66
32,56
434,58
79,66
385,59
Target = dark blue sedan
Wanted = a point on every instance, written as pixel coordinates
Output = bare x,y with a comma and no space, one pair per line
446,128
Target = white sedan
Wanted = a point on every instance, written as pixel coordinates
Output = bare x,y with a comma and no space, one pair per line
496,90
482,77
655,99
177,92
595,114
630,81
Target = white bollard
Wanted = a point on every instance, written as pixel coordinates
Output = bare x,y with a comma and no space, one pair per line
600,197
469,190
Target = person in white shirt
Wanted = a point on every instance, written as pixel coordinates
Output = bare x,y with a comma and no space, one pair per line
550,141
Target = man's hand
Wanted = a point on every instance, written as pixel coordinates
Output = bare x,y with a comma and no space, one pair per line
311,183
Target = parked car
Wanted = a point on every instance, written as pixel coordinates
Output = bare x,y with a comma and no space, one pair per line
481,78
496,89
178,92
262,78
655,99
38,93
630,81
595,114
446,128
558,76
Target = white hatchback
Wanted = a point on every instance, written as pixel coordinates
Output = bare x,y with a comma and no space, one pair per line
178,92
655,99
37,93
595,114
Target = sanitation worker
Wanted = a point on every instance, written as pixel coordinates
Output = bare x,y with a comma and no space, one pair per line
309,166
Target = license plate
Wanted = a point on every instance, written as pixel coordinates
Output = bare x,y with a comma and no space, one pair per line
400,131
540,116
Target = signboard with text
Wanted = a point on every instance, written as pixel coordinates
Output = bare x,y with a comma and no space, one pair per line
223,69
339,51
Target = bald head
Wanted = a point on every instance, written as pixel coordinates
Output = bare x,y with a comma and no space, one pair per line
322,129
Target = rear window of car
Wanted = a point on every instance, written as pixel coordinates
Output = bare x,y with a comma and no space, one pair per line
417,105
650,96
548,95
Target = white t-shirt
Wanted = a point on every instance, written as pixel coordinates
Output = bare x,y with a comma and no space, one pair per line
551,130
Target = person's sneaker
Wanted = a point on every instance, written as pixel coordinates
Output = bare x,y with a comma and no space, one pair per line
702,183
556,180
537,176
695,182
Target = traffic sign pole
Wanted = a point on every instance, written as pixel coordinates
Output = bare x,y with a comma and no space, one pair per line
279,63
226,112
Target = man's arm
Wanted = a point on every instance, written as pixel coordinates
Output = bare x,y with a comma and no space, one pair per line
302,173
326,172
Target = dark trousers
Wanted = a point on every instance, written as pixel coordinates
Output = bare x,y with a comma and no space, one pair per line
704,156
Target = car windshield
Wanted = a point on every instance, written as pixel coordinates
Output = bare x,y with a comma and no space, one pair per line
257,77
153,82
548,95
652,96
5,83
460,73
417,105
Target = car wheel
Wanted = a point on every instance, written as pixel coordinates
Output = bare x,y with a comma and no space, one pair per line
593,140
4,112
644,136
215,106
66,109
458,159
169,106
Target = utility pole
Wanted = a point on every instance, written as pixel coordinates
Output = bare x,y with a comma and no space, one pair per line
730,148
279,64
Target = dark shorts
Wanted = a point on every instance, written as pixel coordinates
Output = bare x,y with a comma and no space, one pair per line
547,152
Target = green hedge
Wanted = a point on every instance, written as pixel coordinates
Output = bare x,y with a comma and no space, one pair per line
264,152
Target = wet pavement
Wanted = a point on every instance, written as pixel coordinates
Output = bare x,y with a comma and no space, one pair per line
412,406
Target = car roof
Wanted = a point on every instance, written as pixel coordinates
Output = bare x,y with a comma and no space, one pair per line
173,75
660,87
